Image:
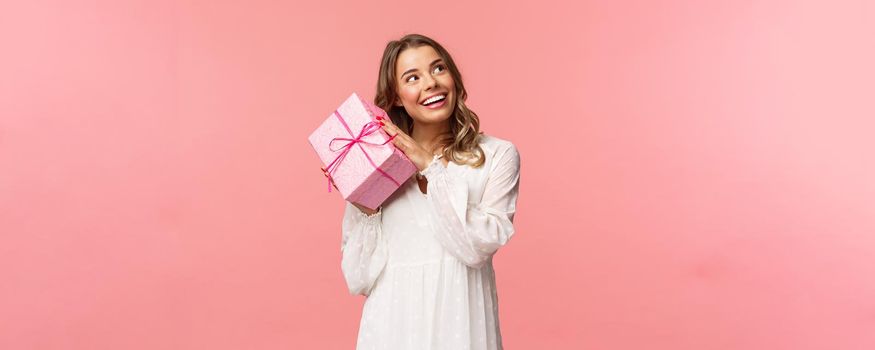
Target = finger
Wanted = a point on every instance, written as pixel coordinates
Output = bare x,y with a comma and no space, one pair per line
384,124
393,130
398,144
402,143
390,130
385,121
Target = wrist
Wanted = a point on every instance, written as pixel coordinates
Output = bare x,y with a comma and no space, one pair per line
366,211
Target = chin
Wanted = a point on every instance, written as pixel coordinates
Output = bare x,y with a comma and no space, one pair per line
433,118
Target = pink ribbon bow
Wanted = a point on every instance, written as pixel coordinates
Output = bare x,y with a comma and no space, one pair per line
367,129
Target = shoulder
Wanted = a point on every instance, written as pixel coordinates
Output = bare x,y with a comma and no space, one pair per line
499,150
494,144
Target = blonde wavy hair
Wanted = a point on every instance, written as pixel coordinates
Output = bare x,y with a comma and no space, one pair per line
461,144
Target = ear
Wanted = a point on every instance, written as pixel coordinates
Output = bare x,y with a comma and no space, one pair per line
398,102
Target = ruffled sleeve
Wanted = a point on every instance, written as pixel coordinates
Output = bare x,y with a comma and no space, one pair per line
364,249
473,232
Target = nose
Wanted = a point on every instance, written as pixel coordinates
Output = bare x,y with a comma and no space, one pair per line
430,83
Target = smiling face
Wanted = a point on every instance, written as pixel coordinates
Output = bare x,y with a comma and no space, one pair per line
422,76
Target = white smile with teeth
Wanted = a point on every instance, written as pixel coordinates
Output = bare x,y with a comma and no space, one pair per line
434,99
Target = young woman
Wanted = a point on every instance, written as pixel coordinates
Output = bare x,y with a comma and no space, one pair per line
424,258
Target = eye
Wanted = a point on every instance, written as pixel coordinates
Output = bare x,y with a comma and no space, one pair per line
442,67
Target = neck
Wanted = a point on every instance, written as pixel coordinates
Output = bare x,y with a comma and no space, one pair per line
428,135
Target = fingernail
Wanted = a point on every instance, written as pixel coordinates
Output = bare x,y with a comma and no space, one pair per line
379,117
381,124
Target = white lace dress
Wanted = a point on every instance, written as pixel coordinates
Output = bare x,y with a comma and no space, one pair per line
424,261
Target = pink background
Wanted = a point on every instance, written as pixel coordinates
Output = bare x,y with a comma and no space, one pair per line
696,174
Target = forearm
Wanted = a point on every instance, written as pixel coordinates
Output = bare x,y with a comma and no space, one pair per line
364,251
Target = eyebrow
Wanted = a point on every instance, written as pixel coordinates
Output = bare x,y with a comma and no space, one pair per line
414,69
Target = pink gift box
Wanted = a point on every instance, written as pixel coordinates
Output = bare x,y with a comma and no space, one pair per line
363,163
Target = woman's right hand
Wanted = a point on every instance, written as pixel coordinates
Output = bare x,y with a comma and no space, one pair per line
363,209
